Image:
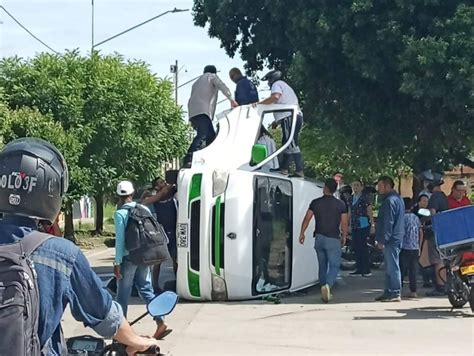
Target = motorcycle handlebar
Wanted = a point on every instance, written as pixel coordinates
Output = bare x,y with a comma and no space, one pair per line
121,350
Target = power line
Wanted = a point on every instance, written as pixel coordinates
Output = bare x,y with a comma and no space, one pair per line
28,31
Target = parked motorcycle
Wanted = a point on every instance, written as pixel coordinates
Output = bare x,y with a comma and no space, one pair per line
375,254
454,234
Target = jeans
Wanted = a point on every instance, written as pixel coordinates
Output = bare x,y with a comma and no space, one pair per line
409,265
361,250
134,275
393,277
329,252
204,133
294,146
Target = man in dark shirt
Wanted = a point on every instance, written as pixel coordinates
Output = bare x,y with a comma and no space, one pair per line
332,223
438,203
389,235
245,90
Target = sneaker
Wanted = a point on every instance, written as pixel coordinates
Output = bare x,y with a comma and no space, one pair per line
367,274
394,298
382,297
326,293
295,175
412,295
355,273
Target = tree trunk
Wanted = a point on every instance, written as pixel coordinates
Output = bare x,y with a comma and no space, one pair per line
99,213
417,186
68,222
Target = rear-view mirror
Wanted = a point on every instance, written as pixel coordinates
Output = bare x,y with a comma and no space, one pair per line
163,304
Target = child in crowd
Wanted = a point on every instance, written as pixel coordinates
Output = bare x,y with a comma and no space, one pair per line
410,251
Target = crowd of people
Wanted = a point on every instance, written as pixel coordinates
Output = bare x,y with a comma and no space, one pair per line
401,232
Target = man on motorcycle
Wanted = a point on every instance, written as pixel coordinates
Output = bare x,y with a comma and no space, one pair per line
64,275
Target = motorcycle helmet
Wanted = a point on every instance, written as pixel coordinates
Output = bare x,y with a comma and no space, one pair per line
33,179
272,76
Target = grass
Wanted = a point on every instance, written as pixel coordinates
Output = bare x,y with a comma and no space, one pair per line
86,236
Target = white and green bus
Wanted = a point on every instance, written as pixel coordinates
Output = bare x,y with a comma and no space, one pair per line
239,223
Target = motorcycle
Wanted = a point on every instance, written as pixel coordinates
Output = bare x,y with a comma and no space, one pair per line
87,345
457,256
375,254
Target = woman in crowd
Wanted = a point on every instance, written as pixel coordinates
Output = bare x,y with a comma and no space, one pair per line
362,225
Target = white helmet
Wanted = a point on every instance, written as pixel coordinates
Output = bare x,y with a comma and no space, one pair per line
125,188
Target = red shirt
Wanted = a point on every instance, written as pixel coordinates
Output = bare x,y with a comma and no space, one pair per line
453,203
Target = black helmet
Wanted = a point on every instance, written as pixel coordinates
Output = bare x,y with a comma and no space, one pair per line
33,179
272,76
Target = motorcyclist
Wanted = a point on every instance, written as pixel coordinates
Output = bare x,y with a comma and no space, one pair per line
64,275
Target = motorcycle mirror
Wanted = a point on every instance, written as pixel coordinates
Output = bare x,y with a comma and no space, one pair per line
162,304
424,212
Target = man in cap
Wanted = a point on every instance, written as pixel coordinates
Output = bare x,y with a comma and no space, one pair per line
202,107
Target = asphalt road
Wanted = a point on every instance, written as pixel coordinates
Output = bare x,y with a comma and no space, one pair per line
353,324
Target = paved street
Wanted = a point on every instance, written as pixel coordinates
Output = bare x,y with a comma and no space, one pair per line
301,325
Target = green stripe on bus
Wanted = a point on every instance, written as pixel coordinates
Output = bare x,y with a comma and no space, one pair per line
217,237
193,281
195,190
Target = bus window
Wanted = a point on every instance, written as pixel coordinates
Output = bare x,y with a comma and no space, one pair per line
272,235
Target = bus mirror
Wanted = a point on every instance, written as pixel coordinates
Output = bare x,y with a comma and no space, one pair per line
259,153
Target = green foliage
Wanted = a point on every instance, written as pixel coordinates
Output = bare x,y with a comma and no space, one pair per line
112,118
26,122
390,81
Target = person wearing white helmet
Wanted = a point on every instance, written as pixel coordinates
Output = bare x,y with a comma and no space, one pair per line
127,273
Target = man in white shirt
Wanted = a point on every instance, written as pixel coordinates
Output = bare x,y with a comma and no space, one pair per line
282,93
202,106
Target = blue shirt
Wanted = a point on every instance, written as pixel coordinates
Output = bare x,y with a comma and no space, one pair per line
412,232
246,92
64,278
391,220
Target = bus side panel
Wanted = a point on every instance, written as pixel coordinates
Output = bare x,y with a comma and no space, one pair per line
305,262
238,220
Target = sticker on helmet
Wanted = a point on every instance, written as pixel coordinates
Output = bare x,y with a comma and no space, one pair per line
18,181
14,199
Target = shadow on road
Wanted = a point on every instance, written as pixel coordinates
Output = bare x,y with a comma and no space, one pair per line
423,313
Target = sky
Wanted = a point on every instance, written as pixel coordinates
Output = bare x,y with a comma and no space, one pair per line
66,24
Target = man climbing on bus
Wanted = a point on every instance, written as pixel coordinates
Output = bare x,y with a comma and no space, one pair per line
202,107
282,93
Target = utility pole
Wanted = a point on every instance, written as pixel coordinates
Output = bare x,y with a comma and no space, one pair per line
92,28
174,69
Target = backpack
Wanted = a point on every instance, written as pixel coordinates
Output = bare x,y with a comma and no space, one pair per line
145,238
19,297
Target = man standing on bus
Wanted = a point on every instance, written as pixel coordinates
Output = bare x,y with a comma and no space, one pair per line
282,93
332,225
202,106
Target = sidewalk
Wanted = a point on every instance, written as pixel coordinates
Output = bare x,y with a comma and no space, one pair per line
302,325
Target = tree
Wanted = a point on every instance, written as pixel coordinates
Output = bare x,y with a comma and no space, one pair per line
392,77
28,122
123,116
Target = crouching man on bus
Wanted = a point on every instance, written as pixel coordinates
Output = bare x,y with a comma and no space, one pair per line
332,224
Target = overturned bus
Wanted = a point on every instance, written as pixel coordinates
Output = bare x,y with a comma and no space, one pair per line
239,223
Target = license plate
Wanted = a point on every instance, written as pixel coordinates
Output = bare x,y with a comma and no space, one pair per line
182,235
467,269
